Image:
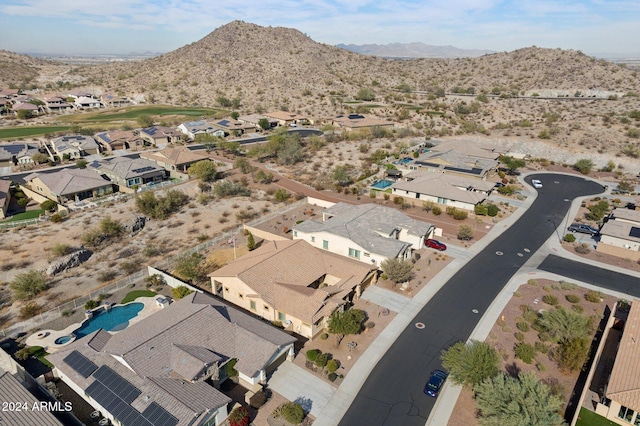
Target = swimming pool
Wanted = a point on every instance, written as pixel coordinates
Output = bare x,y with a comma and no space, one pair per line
63,340
113,319
405,160
382,184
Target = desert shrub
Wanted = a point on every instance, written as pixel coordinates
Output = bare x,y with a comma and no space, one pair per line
480,209
544,336
519,336
492,210
180,292
312,354
322,360
572,298
582,249
292,412
397,270
532,282
541,347
550,299
324,336
161,207
67,312
572,354
332,366
108,275
91,304
30,310
570,238
436,210
530,315
522,326
56,218
564,285
525,352
28,284
593,296
577,308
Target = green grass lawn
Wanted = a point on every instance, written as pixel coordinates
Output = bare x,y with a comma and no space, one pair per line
133,295
30,131
29,214
132,113
589,418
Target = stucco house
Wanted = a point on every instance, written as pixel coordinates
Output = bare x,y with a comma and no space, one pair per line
75,146
175,159
55,104
355,122
66,185
155,135
165,368
115,100
128,173
254,120
286,118
620,234
369,233
119,139
5,197
84,102
442,188
292,282
25,106
234,127
12,154
454,162
202,127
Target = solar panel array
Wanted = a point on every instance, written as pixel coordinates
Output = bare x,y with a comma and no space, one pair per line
80,364
116,394
634,232
143,169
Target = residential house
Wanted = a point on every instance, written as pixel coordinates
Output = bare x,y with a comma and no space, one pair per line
465,147
620,234
254,120
177,158
202,127
130,173
21,407
292,282
234,127
73,146
286,118
619,396
355,122
155,135
442,188
67,185
160,370
56,104
369,233
5,197
84,102
453,162
21,153
5,106
113,140
79,93
115,101
25,106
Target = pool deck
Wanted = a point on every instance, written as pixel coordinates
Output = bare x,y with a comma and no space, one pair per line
47,338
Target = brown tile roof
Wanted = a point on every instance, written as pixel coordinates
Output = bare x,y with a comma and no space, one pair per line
11,390
284,115
190,362
627,214
624,383
196,396
444,185
174,156
70,181
281,272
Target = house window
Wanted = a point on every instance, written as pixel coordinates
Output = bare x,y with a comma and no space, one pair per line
442,200
325,244
625,413
283,317
354,253
252,305
313,239
417,195
366,254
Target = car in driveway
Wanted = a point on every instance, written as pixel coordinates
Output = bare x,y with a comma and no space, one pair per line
536,183
583,229
435,244
435,382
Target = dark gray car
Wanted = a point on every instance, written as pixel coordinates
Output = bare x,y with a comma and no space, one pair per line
583,229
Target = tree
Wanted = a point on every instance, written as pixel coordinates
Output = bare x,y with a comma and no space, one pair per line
81,164
470,363
292,412
281,195
28,284
232,147
235,115
584,166
24,114
346,322
290,152
205,170
511,163
180,292
264,124
563,324
40,158
572,354
465,232
365,94
504,400
145,120
243,164
189,267
110,227
340,175
397,270
48,205
251,242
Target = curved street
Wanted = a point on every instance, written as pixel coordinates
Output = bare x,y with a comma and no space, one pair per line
392,393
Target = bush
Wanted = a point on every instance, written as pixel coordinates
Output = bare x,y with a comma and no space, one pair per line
281,195
332,366
436,210
550,299
56,218
161,207
30,310
577,308
481,209
593,296
322,360
572,354
493,210
91,304
292,412
572,298
28,284
312,354
570,238
397,270
541,347
522,326
544,336
48,205
239,417
525,351
180,292
519,336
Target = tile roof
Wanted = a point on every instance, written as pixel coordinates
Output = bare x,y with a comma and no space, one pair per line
283,115
626,214
174,156
624,383
10,150
11,390
371,226
455,161
4,191
282,273
466,147
620,229
346,121
69,181
190,361
127,168
444,185
80,142
117,136
160,131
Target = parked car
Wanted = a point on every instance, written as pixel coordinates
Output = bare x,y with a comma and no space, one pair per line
435,382
499,184
583,229
435,244
536,183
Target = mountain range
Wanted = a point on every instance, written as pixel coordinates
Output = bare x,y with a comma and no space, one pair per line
413,50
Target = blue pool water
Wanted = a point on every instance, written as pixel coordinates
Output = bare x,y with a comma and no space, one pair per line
115,319
382,184
404,160
64,339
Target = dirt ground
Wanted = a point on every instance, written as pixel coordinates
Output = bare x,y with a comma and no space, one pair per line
502,337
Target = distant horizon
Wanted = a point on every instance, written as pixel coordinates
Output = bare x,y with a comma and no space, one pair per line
118,27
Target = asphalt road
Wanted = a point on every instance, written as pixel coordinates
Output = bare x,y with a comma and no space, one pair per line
591,275
393,393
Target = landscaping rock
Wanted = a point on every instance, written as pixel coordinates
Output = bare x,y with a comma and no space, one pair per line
69,261
138,224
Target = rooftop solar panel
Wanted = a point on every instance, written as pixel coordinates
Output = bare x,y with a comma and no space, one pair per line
158,415
112,380
80,364
634,232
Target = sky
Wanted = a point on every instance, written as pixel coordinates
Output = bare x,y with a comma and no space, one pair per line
595,27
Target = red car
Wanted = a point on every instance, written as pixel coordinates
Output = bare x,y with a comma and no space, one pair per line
435,244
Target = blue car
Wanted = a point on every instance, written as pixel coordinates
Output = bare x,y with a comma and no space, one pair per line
435,382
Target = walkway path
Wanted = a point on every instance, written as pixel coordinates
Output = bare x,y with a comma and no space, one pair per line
385,298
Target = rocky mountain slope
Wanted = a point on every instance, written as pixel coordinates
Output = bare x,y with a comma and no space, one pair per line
413,50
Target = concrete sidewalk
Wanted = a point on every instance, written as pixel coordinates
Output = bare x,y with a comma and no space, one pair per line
385,298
